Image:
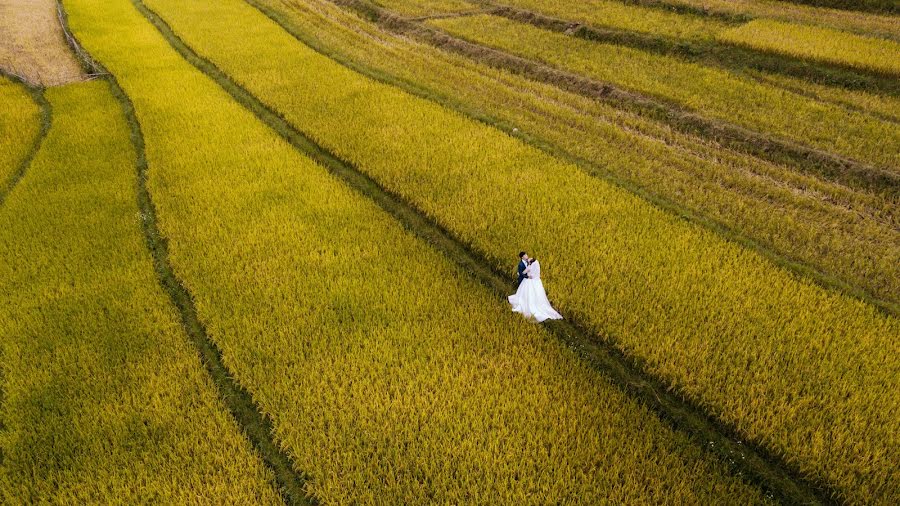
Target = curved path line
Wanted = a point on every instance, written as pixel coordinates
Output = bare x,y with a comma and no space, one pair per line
810,160
254,423
742,458
723,55
795,265
37,94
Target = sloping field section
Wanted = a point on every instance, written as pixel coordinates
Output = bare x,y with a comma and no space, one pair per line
390,376
802,370
32,44
103,399
710,92
847,234
20,126
816,43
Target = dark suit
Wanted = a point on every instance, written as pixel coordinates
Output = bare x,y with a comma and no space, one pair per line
522,266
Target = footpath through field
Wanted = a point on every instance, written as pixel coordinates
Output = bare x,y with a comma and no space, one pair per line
379,391
804,371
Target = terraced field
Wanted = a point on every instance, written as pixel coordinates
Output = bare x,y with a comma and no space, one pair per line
263,257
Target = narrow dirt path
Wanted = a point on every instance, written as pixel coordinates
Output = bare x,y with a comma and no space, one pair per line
32,44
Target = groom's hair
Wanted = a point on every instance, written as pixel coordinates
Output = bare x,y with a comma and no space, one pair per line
521,254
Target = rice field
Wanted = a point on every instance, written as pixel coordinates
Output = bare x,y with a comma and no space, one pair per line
816,43
705,90
104,401
231,187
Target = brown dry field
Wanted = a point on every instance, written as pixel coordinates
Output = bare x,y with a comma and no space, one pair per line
32,45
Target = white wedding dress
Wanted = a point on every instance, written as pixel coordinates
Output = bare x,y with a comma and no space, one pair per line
531,299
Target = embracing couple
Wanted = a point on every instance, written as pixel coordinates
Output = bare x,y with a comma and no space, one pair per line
530,298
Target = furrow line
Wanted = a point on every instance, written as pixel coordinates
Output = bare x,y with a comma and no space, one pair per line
248,415
742,458
37,94
798,266
766,147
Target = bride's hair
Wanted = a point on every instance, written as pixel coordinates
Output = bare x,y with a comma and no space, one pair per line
531,260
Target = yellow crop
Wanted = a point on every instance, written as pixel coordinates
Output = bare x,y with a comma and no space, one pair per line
709,91
843,232
804,371
20,123
619,15
879,105
794,12
103,399
818,43
391,377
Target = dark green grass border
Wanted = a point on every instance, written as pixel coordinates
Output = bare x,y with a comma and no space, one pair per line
742,458
256,426
796,266
731,57
46,112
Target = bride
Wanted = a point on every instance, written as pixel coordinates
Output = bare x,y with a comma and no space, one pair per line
531,299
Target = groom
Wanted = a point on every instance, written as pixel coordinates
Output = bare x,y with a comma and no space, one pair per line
523,264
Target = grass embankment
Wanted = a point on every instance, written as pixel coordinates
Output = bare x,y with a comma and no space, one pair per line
21,119
802,370
104,400
846,234
381,391
711,92
820,44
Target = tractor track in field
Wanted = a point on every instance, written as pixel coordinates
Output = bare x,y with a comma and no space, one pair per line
816,162
256,426
37,94
744,459
798,266
726,56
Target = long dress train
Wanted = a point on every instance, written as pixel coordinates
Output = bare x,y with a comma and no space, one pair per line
531,298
